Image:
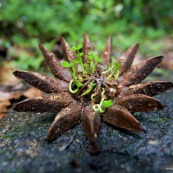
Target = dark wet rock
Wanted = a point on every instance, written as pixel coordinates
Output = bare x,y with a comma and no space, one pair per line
23,149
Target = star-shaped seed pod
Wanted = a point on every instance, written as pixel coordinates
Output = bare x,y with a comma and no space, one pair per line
93,89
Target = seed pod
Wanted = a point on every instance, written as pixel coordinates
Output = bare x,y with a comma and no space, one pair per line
65,120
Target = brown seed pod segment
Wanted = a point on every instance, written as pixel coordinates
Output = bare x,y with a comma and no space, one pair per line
87,47
68,54
91,122
54,65
150,88
120,117
50,103
44,83
140,71
65,120
139,103
106,53
126,59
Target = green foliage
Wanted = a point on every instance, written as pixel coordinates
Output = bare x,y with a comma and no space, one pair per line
103,105
88,68
107,103
113,71
25,21
66,64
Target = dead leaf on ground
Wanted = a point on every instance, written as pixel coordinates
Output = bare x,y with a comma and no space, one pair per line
10,93
6,75
167,62
12,89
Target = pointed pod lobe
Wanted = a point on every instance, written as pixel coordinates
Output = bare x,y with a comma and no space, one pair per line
54,65
139,103
47,103
68,54
87,47
140,71
91,122
150,88
44,83
65,120
127,58
106,53
120,117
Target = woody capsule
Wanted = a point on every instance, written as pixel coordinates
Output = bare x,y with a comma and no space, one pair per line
93,89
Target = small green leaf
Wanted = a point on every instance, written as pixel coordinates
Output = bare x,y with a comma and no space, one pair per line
76,61
117,65
79,84
90,57
90,53
79,46
99,60
80,54
66,64
107,103
74,48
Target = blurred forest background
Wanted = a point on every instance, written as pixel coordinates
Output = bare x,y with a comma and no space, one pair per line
25,23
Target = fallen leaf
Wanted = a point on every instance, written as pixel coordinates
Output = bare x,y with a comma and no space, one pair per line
6,75
8,93
167,62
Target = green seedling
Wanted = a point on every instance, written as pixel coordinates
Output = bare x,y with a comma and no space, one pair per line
103,105
113,71
88,68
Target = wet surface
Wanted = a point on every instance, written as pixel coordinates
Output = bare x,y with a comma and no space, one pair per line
23,149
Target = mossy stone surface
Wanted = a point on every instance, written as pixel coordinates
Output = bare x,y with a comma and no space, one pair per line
23,149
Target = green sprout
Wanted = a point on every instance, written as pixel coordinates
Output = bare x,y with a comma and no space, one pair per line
94,60
73,73
78,83
66,64
107,103
92,85
79,57
103,105
114,69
